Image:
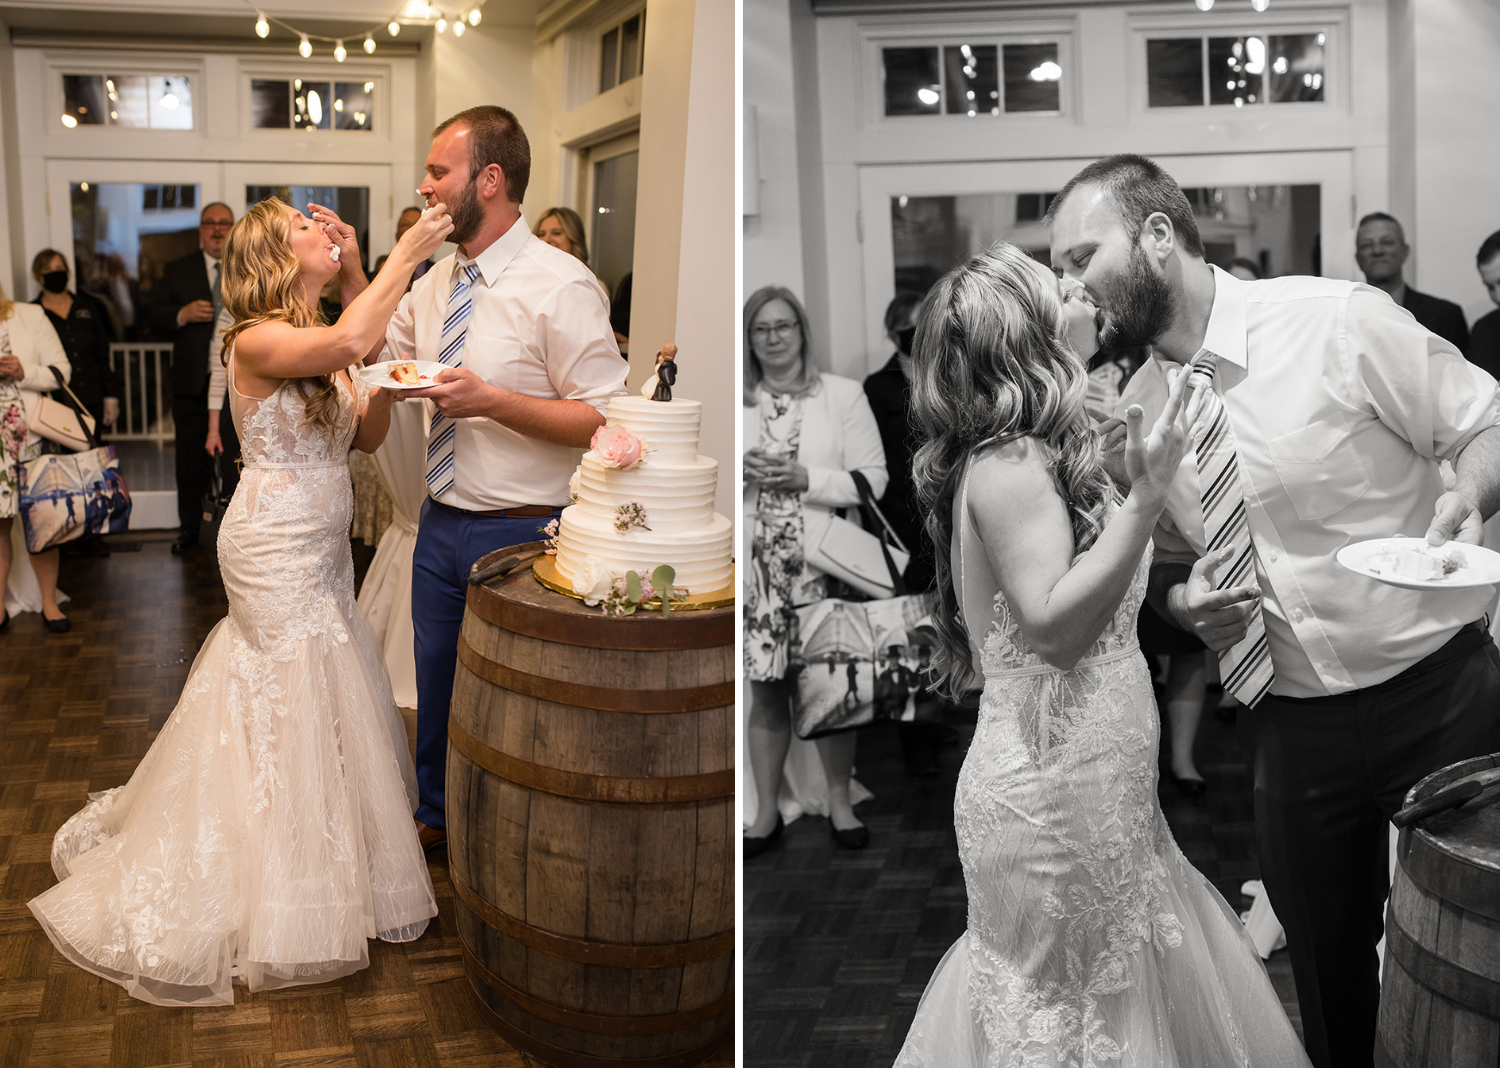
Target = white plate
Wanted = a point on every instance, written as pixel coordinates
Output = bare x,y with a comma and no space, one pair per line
1480,566
379,374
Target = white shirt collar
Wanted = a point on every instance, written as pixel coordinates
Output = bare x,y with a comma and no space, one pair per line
1225,336
493,260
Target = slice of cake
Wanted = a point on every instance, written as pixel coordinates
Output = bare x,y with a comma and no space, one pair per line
635,514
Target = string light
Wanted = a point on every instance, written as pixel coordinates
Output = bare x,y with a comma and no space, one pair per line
1260,5
442,24
473,16
393,27
305,48
418,9
369,45
1205,5
262,27
458,27
340,53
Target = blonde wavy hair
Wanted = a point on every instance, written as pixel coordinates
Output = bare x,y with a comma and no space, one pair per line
263,284
991,364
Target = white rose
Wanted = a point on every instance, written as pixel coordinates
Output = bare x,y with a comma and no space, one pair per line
592,580
573,480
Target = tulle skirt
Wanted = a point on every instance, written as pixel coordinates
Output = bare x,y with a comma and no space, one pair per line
265,836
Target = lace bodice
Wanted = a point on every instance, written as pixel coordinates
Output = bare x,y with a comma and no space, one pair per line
274,431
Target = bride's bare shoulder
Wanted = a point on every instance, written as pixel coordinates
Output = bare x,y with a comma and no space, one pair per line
1019,467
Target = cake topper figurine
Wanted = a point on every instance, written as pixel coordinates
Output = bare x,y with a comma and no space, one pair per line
659,385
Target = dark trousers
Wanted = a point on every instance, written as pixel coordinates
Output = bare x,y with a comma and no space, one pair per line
194,465
1329,772
448,543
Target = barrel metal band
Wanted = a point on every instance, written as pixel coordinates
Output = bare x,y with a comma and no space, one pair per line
1459,985
1448,875
594,1022
566,1058
592,629
582,786
600,698
584,951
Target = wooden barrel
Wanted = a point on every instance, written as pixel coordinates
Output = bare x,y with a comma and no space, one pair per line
591,831
1440,991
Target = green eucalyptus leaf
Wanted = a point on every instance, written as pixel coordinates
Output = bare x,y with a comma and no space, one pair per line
663,577
633,586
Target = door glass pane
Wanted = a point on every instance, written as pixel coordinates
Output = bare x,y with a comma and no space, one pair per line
612,243
124,233
1174,73
630,48
1236,70
1275,227
913,85
352,105
156,101
1296,67
971,76
609,60
270,104
352,203
312,107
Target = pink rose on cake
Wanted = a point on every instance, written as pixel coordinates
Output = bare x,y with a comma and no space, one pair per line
617,447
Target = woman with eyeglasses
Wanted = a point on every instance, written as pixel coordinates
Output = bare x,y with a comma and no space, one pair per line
806,431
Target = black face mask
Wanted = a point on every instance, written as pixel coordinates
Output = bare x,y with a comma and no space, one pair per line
904,338
55,281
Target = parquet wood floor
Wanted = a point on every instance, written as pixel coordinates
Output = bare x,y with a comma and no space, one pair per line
77,712
840,944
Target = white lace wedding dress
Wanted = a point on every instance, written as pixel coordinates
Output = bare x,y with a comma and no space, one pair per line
1091,941
267,834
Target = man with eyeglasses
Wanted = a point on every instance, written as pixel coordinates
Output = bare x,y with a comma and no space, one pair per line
1380,249
184,307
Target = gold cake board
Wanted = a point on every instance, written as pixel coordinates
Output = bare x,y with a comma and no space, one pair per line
550,575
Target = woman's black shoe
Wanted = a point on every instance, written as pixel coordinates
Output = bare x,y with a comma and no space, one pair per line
853,838
4,622
1189,787
754,847
58,626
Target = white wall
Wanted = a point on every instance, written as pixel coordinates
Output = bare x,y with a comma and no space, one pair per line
1455,149
490,64
772,250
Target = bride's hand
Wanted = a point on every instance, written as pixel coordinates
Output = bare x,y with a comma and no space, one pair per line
339,232
1151,461
426,236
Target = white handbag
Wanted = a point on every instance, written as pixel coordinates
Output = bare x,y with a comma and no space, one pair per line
55,421
871,563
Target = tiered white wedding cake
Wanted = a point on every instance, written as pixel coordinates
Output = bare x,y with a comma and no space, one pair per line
638,510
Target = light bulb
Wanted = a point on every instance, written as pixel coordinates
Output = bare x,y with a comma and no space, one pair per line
69,121
393,27
1205,5
340,53
369,44
305,48
458,27
369,87
1260,5
442,24
262,27
473,16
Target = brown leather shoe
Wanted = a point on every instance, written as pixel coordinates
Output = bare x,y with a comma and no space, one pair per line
430,837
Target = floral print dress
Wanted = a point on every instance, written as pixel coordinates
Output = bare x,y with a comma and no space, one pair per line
15,445
780,579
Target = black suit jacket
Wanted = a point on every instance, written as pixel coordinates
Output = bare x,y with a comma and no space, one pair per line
1484,344
889,395
1442,317
182,282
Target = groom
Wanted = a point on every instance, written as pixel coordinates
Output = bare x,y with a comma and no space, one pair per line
524,328
1326,409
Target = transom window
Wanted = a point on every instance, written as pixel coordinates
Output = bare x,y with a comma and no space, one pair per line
141,101
971,78
295,104
1235,71
622,52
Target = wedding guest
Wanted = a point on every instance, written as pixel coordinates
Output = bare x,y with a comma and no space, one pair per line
1335,408
1484,341
82,325
29,347
889,392
1381,251
184,307
404,222
513,414
562,228
806,430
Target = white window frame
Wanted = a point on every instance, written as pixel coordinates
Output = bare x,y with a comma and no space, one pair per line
909,32
1333,22
167,66
371,71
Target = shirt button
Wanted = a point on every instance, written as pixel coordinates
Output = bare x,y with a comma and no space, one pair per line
1297,615
1274,555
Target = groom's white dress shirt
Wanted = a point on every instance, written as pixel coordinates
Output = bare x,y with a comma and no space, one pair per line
538,326
1342,407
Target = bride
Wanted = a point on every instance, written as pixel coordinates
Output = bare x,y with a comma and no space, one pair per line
268,832
1091,941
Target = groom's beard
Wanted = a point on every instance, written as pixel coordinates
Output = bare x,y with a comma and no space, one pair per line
1139,310
467,216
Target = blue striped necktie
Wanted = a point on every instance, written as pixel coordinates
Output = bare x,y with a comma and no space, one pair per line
1245,666
451,351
